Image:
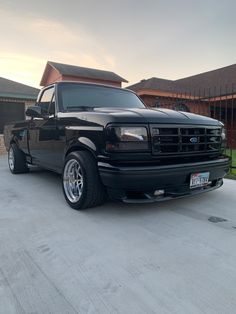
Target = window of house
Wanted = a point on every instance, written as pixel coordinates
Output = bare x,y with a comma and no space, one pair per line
181,107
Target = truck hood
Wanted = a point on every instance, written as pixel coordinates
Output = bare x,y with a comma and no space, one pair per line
103,116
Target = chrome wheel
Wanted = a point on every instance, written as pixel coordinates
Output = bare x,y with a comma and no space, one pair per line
73,180
11,159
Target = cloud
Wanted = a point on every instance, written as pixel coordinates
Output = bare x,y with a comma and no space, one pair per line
52,33
21,68
169,39
29,42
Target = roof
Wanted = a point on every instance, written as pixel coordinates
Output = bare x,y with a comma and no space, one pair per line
156,83
77,71
14,89
221,81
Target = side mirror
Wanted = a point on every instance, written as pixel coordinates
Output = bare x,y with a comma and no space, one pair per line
34,112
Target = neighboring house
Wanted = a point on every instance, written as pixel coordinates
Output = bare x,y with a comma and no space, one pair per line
14,98
211,93
55,72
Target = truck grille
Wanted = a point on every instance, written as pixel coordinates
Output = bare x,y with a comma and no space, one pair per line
177,140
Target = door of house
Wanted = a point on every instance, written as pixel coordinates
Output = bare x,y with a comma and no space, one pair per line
10,112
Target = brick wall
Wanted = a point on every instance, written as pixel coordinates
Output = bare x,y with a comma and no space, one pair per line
2,146
198,107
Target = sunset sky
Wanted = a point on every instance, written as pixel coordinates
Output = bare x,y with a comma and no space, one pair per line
135,39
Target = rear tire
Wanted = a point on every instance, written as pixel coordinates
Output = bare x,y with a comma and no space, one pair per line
81,183
17,160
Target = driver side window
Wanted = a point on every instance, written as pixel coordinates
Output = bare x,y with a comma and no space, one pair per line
46,99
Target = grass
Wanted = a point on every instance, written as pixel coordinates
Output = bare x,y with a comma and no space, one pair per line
232,174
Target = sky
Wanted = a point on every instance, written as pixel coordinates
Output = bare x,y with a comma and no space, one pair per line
136,39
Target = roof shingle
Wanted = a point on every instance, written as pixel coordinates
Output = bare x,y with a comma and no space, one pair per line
214,83
156,83
10,88
72,70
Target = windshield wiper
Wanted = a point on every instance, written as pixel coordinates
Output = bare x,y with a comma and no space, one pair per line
79,108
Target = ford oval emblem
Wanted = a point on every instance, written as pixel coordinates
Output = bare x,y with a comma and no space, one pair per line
194,140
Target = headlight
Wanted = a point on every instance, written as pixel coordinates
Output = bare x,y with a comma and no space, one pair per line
122,138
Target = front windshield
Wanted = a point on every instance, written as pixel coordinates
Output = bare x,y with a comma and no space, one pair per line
77,97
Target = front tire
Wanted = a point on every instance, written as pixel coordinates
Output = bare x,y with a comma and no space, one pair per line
16,160
82,186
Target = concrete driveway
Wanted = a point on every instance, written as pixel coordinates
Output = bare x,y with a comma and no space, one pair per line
172,257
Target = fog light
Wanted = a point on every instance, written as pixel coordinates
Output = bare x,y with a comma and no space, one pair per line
159,192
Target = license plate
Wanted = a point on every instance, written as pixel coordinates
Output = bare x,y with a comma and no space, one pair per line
199,179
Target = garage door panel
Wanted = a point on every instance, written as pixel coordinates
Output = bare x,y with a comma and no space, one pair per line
11,112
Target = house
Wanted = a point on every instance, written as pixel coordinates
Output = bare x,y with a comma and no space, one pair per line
212,94
55,72
14,98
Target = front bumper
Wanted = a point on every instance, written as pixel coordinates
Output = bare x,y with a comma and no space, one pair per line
138,184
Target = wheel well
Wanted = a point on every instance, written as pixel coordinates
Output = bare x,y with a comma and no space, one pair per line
77,149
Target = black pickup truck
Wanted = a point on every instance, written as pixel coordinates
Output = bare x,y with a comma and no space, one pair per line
103,140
